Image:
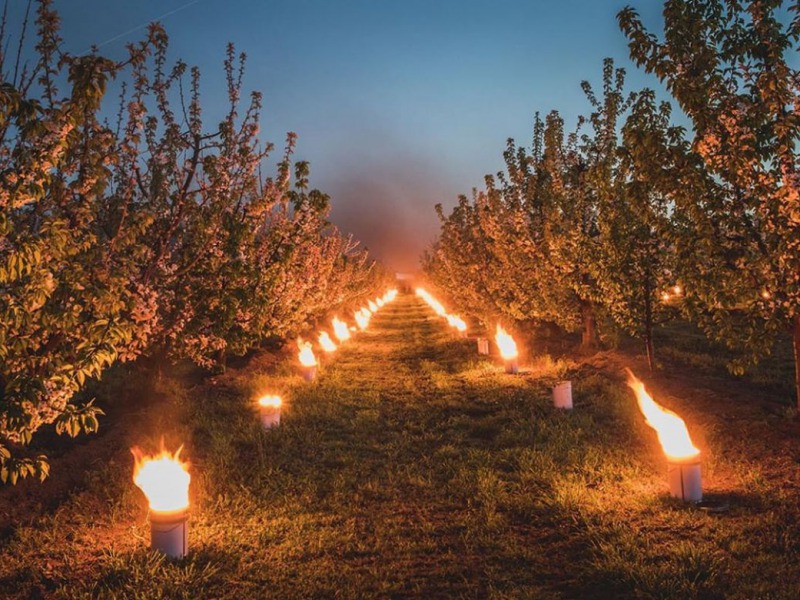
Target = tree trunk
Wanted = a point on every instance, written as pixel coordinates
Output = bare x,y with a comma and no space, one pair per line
589,333
796,344
648,327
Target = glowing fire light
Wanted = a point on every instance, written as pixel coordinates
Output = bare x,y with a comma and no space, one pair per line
306,354
457,322
390,295
362,318
432,302
325,342
507,345
670,428
340,330
163,478
270,401
372,306
380,302
677,290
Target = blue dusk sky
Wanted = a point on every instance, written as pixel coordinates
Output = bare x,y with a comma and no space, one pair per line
398,104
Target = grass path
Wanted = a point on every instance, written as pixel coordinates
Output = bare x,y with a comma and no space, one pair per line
411,468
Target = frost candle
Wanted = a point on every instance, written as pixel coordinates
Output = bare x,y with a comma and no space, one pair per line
340,330
308,362
459,324
326,343
683,458
508,349
164,479
270,409
562,395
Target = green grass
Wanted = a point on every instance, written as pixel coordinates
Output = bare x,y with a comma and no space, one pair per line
413,468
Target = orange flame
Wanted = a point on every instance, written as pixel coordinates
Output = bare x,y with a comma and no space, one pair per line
380,302
340,330
506,343
362,318
670,428
306,354
163,478
432,302
270,401
457,322
372,306
390,295
326,342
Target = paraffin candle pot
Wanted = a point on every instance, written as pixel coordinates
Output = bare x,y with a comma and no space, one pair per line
309,373
169,532
270,411
562,395
685,481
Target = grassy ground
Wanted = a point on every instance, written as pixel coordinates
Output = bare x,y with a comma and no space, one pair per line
412,468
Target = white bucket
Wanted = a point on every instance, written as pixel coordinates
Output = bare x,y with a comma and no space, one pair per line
270,416
562,395
310,373
685,481
169,533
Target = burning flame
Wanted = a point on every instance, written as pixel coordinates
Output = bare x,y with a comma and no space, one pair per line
507,345
306,354
362,318
432,302
340,330
326,342
457,322
270,401
390,295
372,306
670,428
380,302
163,478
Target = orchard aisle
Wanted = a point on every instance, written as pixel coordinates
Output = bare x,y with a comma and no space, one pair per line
411,451
413,468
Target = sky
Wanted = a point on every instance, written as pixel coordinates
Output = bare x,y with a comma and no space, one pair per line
398,104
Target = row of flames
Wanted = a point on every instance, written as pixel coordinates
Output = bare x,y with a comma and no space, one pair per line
454,321
164,477
671,430
505,343
341,330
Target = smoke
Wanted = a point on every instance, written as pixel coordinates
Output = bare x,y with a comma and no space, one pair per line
387,203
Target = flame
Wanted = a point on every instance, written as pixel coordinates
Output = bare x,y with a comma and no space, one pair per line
390,295
270,401
677,290
362,318
163,478
457,322
670,428
326,342
306,354
380,302
372,306
665,296
432,302
507,345
340,330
